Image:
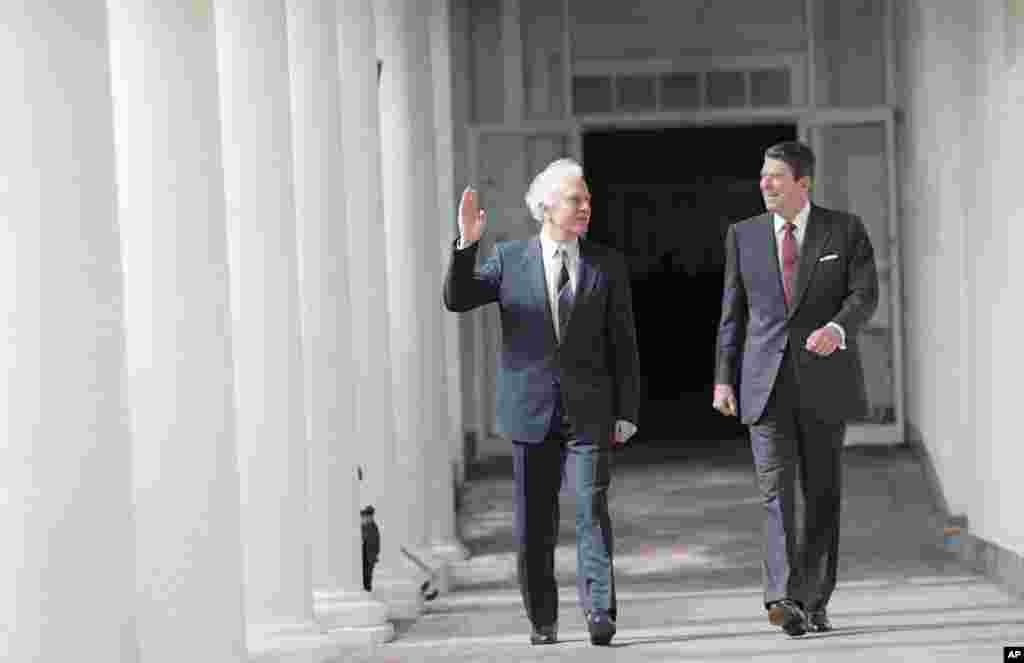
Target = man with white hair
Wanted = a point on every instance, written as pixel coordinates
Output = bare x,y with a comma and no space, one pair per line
567,385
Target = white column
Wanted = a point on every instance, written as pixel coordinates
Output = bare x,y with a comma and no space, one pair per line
67,557
341,602
178,379
414,273
393,580
444,535
269,399
460,47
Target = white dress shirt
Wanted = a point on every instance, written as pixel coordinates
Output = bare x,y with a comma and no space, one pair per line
553,267
801,221
551,250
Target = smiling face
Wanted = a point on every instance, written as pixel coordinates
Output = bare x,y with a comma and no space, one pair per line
568,213
783,194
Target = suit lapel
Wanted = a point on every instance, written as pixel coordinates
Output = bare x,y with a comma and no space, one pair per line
768,224
818,230
533,266
586,274
586,280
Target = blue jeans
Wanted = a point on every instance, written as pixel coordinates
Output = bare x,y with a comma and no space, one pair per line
539,470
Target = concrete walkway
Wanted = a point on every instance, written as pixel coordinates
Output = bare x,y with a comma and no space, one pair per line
687,523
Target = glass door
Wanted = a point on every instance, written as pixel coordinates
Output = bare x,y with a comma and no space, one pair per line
856,173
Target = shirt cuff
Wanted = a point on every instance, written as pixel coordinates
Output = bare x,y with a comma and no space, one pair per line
460,244
624,429
842,333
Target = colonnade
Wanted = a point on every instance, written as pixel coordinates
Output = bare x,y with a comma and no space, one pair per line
222,223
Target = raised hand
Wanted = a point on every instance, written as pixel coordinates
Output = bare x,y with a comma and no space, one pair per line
471,217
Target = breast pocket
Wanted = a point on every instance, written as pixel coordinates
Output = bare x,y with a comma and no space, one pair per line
830,270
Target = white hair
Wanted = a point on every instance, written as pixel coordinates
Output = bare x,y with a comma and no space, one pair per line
544,188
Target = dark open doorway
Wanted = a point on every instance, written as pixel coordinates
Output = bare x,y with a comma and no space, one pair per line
665,198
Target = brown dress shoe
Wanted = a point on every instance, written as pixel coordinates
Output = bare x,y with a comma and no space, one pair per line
789,616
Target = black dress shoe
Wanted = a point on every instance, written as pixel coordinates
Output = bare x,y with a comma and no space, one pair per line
601,627
544,635
817,621
789,616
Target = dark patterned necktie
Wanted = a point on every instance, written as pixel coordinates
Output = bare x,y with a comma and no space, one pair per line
789,262
565,296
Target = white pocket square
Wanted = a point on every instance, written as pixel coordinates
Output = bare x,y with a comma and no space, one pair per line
831,256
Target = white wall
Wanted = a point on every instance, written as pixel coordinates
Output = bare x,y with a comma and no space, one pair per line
655,28
964,97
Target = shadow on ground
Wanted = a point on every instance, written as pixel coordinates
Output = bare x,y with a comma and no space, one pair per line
687,511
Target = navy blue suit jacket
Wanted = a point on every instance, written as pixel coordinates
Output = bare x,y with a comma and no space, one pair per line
596,366
836,281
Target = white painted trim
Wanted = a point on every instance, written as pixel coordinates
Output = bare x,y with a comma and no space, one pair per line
896,279
568,66
575,141
794,61
512,60
805,116
889,46
528,128
654,119
811,71
847,116
873,434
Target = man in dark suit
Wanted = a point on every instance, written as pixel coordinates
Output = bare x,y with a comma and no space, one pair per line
567,385
800,283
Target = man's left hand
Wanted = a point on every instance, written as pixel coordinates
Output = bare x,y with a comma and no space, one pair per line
823,341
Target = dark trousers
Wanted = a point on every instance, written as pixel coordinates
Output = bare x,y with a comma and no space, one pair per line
789,442
538,472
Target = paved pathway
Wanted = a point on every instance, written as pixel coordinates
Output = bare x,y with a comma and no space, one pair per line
687,525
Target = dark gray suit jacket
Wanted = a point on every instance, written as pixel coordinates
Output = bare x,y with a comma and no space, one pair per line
756,328
596,366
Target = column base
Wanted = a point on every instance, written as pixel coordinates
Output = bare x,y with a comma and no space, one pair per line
396,584
451,550
296,643
362,618
435,567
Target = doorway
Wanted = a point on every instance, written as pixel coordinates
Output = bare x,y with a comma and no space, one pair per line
665,198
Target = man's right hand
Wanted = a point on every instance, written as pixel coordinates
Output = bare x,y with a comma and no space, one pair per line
471,217
725,400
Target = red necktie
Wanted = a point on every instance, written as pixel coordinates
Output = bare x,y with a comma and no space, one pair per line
789,259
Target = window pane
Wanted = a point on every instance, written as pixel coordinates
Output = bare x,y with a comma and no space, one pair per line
680,91
591,94
636,93
770,87
726,89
